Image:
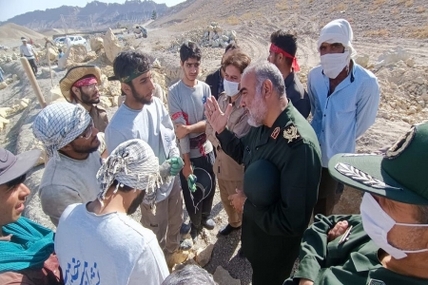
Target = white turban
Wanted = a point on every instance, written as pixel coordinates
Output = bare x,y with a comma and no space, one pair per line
337,31
59,124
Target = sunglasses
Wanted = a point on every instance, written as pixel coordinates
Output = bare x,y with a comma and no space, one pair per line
87,133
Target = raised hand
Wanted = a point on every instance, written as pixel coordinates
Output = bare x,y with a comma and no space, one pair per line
215,116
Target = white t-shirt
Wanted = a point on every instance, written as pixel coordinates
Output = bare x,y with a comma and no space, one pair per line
108,249
153,125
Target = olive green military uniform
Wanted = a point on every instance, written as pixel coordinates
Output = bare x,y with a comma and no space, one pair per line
355,261
271,234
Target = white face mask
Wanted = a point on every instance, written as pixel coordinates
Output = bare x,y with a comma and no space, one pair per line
377,224
333,63
230,88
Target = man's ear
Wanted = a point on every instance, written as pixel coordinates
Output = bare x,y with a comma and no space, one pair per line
126,88
181,63
76,91
267,88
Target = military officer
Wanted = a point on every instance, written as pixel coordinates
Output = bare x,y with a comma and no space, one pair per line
388,242
282,163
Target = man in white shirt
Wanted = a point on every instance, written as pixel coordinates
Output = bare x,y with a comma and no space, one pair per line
98,242
27,51
70,139
344,102
143,116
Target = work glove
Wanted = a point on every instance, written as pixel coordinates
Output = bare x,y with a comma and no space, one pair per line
191,182
176,164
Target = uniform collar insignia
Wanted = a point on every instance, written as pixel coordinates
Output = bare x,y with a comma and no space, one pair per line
376,282
275,133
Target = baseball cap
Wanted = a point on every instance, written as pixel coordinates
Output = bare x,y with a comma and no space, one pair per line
13,166
400,174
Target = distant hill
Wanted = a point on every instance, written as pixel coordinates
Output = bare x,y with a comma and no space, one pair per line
14,31
94,15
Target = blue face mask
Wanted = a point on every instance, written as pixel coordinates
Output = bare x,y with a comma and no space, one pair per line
377,224
230,88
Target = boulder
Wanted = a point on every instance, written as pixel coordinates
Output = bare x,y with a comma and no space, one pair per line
105,102
96,44
52,54
3,123
90,56
203,255
362,59
3,85
75,54
222,277
55,95
111,45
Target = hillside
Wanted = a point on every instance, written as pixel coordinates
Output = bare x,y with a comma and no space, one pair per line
94,15
13,31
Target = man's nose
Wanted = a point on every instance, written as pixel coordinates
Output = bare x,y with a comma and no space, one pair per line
95,131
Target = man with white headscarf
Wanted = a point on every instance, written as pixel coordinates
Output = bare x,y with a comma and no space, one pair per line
70,139
112,248
344,102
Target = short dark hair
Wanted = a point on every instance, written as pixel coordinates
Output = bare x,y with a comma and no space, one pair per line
285,41
190,50
16,181
127,62
231,46
190,275
238,59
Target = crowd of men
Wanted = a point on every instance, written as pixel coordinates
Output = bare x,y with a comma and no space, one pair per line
245,129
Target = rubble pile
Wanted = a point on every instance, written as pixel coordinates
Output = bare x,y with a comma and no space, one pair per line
6,112
212,36
404,87
75,54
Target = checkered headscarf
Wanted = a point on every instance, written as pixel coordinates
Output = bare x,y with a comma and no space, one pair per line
134,164
59,124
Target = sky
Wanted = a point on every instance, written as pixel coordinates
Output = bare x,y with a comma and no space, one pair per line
11,8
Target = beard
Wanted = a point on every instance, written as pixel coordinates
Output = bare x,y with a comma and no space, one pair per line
86,148
135,203
139,98
258,114
86,98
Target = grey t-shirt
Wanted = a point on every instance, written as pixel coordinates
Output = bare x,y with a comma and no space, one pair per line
68,181
186,106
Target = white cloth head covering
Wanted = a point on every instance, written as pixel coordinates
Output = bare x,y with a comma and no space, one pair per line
338,31
134,164
59,124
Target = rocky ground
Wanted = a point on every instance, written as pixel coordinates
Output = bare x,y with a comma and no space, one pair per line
390,38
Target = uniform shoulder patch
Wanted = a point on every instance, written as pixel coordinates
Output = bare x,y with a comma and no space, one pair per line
376,282
291,134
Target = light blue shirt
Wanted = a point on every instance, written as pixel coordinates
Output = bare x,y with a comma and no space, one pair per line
339,119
